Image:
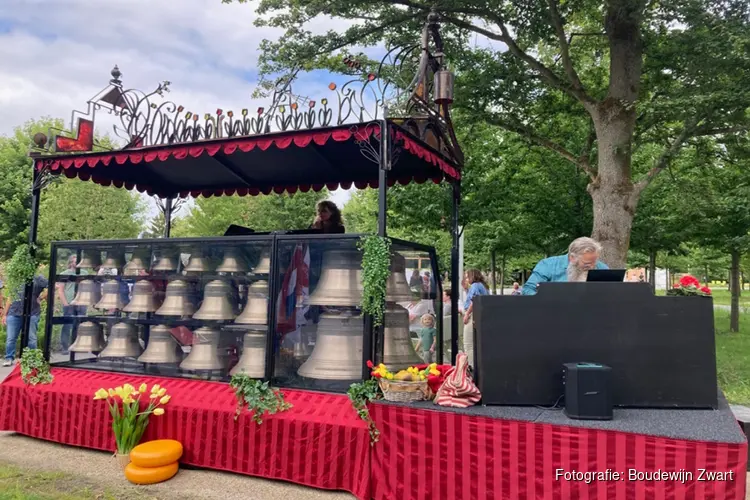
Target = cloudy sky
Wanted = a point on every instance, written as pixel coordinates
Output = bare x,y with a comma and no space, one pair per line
57,54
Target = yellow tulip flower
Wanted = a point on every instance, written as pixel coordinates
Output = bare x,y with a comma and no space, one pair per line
153,396
155,389
162,392
112,393
127,399
165,400
129,388
101,394
143,388
158,411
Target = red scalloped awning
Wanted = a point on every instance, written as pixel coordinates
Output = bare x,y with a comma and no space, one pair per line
279,162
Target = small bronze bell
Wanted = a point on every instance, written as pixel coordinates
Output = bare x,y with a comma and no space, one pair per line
177,300
142,300
217,304
111,297
397,288
338,349
204,354
341,280
167,263
88,294
198,263
114,260
264,263
89,338
256,310
233,262
91,259
123,342
138,263
253,360
398,349
161,347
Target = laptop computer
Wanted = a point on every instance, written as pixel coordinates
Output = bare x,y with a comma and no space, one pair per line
599,275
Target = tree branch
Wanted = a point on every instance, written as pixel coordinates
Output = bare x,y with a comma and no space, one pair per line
666,156
557,24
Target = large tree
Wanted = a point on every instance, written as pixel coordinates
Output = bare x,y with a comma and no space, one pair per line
624,72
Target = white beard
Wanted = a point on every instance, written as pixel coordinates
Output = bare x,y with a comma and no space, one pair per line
576,274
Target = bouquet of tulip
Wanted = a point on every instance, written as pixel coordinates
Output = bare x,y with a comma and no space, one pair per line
689,285
128,420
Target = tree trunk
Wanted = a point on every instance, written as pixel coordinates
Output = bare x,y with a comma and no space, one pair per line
652,269
502,276
708,280
494,270
734,313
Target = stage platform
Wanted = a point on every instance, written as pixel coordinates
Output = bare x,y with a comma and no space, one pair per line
424,452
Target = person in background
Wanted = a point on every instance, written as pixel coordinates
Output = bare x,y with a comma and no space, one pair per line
415,281
328,218
447,333
476,286
66,293
417,308
427,337
426,285
583,256
516,289
13,317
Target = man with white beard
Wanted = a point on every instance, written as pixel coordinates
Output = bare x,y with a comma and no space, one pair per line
582,256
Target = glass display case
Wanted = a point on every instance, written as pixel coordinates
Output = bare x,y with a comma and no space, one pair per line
281,307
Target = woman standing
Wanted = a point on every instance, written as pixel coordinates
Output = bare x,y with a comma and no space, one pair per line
474,280
328,218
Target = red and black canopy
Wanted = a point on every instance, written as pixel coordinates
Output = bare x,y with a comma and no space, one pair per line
275,162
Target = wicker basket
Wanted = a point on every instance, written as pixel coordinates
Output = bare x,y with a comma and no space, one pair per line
404,392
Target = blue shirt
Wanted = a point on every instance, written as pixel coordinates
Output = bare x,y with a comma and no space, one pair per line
551,269
474,290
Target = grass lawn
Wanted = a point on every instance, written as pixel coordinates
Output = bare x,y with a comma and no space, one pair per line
733,357
22,484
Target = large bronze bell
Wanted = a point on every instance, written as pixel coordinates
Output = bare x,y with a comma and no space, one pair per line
123,342
177,300
91,259
142,300
89,338
88,294
338,349
114,260
397,288
264,263
252,362
341,280
161,347
217,304
233,262
204,354
138,263
111,297
398,349
256,310
198,263
167,263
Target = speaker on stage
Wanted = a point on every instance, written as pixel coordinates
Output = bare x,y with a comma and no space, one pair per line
588,391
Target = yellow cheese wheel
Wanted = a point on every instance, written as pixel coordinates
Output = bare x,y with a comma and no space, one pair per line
156,453
153,475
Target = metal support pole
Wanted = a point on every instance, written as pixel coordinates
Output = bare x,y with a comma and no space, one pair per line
29,288
168,203
385,165
455,278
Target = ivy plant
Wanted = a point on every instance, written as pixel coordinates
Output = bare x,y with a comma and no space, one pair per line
34,368
257,396
20,270
361,394
376,265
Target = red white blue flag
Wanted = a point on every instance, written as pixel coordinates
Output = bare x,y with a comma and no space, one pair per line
294,290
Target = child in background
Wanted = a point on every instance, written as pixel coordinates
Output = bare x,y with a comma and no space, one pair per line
427,338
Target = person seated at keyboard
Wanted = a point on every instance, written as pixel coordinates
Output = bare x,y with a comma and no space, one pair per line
583,256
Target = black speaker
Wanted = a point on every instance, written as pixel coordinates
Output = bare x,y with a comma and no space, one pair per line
588,393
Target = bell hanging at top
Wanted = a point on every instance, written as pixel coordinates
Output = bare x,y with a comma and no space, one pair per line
111,296
89,338
167,263
122,343
264,263
443,88
340,282
177,300
256,310
142,300
233,262
114,260
88,294
217,302
198,263
91,260
397,287
138,264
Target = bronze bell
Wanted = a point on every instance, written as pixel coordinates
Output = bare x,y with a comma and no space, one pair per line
198,263
142,300
161,347
256,310
233,262
88,294
338,349
217,304
177,300
340,282
138,263
204,354
91,259
397,288
114,260
111,297
166,263
253,360
88,339
123,342
398,349
264,263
